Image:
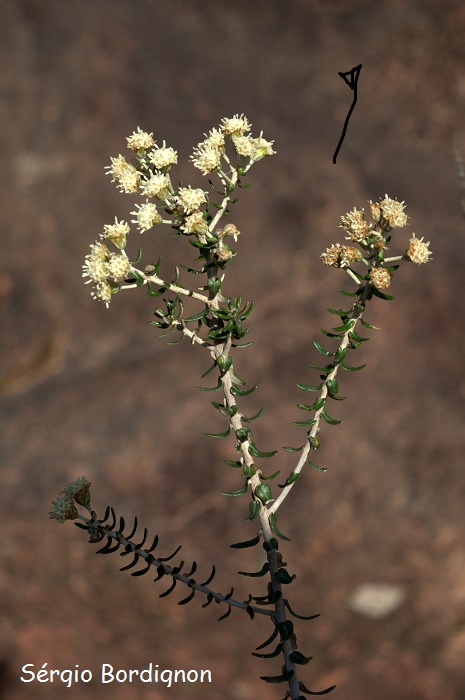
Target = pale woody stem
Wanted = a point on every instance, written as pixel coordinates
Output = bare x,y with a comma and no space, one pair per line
169,285
312,433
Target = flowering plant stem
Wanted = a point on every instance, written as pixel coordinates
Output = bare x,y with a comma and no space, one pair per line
218,327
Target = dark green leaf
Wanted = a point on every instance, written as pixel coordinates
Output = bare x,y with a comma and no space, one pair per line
300,617
255,508
248,543
381,295
273,524
330,421
322,350
318,469
241,491
258,453
257,415
219,435
299,658
255,574
352,369
306,387
293,449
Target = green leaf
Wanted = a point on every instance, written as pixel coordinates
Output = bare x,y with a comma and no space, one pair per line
230,463
340,354
244,345
268,641
329,334
312,692
356,337
248,543
300,617
209,370
317,404
322,350
271,655
311,421
299,658
380,295
219,435
330,421
255,508
352,369
240,492
293,476
237,392
271,477
263,493
348,294
255,574
345,327
293,449
368,325
318,469
258,453
198,316
214,388
283,576
307,387
339,312
273,524
257,415
286,630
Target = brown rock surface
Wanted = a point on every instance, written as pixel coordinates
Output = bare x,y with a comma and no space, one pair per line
95,392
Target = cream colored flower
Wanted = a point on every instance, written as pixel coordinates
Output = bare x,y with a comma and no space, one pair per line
418,251
195,223
116,233
163,158
95,263
125,175
393,212
190,199
340,255
156,186
140,140
118,267
380,277
355,225
243,145
261,148
206,159
237,126
146,216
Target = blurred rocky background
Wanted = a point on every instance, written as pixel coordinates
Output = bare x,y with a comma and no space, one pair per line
378,541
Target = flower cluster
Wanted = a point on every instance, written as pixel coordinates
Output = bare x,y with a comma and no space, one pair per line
373,238
64,508
148,175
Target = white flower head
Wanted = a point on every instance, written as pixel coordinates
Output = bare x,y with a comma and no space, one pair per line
95,263
393,212
195,223
236,126
140,140
156,186
261,148
118,266
163,158
146,216
125,175
243,145
190,199
116,233
418,251
206,159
